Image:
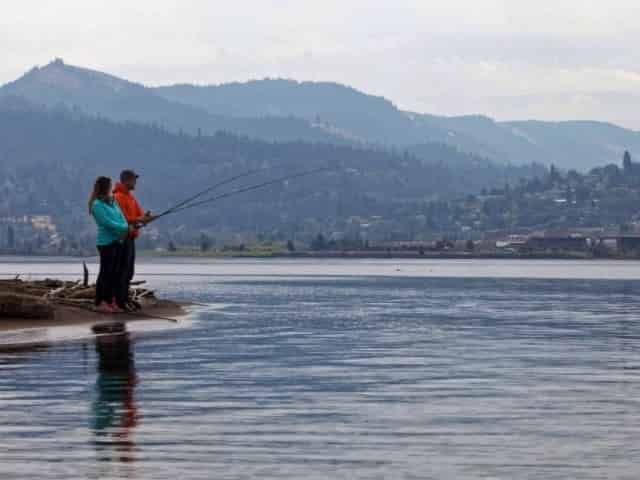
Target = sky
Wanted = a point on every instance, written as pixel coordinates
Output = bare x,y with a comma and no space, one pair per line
509,59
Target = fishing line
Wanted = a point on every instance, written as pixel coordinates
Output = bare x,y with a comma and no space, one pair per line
244,190
209,189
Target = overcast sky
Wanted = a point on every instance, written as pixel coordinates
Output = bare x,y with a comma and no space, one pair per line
510,59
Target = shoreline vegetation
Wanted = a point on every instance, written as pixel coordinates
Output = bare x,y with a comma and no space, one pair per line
357,254
361,254
377,255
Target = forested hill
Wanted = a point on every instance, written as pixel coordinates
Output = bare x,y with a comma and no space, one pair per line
571,144
286,110
371,119
99,94
49,159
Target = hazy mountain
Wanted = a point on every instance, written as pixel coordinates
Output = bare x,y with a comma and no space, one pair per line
577,144
104,95
372,119
285,110
567,144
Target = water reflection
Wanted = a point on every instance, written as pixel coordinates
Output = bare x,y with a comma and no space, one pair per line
114,411
350,377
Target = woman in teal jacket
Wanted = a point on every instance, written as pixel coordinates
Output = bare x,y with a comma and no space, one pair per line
112,230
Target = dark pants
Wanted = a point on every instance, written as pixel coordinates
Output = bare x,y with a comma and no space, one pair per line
109,280
127,266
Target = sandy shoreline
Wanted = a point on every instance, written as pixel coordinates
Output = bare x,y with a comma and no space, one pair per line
68,315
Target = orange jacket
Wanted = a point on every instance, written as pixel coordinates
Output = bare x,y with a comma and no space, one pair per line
128,204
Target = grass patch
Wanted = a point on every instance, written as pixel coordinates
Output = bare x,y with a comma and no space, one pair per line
257,250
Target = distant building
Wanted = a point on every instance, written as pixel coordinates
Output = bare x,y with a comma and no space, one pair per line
337,236
13,220
572,243
28,233
623,243
513,242
43,222
628,243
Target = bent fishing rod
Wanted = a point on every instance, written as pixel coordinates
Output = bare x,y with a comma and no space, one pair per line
209,189
243,190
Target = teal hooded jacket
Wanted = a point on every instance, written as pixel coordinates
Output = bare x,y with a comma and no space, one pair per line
111,223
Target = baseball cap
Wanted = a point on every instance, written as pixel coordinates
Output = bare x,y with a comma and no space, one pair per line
127,174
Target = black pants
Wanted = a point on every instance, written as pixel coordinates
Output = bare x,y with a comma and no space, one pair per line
108,285
127,267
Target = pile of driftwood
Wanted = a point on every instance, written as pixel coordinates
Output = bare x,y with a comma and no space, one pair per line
38,298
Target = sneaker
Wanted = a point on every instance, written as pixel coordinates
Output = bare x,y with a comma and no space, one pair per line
104,308
117,309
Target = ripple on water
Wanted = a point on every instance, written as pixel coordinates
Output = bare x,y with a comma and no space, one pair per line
350,378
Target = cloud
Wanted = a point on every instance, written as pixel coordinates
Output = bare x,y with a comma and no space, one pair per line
459,56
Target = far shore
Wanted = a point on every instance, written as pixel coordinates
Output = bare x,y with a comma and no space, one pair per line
343,255
380,255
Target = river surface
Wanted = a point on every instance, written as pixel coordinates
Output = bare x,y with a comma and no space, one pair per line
339,369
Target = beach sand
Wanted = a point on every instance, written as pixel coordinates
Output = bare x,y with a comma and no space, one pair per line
68,315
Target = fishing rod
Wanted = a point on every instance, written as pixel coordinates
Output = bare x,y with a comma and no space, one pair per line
139,314
209,189
246,189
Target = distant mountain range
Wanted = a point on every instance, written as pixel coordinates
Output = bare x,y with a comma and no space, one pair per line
96,93
574,144
286,110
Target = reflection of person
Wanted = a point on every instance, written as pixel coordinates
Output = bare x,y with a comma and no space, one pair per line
112,229
115,413
135,216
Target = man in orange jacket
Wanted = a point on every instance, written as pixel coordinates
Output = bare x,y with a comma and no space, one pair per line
135,216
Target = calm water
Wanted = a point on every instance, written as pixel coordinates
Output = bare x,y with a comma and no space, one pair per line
332,369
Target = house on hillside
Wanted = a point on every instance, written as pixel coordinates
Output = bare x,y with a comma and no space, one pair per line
628,243
556,241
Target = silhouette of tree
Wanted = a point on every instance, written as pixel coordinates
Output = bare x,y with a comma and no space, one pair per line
205,243
11,237
627,166
319,243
